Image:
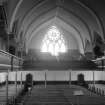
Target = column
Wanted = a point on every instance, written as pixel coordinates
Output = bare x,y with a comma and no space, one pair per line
93,78
102,64
45,78
12,63
8,43
7,86
69,78
16,82
19,65
21,79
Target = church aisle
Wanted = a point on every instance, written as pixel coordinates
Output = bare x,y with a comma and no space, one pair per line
62,95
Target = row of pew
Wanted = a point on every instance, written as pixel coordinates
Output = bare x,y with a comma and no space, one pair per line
99,89
12,95
15,95
61,95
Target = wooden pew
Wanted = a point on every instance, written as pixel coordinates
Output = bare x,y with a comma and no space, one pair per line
11,93
97,88
62,95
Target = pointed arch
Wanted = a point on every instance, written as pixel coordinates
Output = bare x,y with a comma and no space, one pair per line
54,42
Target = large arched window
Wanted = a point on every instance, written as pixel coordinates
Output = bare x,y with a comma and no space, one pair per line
53,42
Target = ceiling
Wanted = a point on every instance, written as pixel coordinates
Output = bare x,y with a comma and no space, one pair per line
79,21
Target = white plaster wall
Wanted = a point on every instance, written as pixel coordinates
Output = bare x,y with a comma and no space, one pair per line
2,77
103,75
2,45
56,75
88,75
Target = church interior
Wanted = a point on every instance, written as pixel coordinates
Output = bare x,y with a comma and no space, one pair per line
52,52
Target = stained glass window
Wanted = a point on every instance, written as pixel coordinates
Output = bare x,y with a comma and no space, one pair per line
53,42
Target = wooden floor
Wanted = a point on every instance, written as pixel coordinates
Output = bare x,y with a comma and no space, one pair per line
62,95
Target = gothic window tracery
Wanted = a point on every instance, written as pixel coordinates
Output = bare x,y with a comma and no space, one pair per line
54,42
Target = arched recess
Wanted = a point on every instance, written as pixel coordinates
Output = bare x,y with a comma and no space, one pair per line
63,25
85,9
66,16
41,19
37,39
82,15
75,4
